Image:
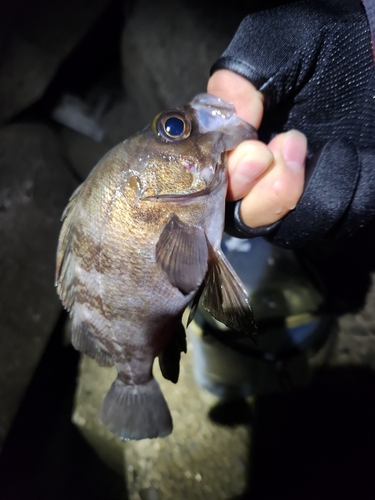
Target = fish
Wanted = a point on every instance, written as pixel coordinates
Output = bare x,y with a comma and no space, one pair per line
140,240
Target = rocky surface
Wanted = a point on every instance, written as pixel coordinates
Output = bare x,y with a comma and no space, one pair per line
171,64
40,36
34,188
39,169
356,342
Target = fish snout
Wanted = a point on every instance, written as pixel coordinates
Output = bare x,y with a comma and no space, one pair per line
216,115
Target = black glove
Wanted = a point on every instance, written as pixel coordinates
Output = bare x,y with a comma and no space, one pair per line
314,63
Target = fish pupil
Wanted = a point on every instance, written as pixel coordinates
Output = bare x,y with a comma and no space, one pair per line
174,126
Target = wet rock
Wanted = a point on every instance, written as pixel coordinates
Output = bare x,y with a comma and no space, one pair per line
44,33
34,188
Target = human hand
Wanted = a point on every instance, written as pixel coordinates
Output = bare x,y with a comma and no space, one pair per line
316,74
268,178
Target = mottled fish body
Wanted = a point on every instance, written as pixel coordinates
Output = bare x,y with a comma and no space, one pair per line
140,239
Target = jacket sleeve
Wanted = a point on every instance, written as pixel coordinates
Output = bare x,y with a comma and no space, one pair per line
315,66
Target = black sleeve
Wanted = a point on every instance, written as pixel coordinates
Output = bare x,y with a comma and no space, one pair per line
314,63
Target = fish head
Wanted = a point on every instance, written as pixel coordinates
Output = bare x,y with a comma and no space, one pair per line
183,152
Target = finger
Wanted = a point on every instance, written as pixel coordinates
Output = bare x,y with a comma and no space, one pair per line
237,90
246,164
279,189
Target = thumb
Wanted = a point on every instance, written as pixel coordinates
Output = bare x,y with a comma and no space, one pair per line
235,89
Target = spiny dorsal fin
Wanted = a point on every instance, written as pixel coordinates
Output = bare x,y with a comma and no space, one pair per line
182,253
64,264
225,297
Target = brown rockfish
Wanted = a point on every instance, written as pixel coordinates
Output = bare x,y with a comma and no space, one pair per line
140,239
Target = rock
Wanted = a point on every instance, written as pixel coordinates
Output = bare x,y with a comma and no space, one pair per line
34,188
44,34
119,122
154,73
171,64
81,152
356,343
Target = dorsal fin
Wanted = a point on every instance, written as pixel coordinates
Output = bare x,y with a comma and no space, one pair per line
65,258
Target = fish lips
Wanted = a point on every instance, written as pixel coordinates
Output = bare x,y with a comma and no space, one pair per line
215,115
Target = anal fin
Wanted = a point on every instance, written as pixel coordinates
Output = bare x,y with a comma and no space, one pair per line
225,297
84,341
195,303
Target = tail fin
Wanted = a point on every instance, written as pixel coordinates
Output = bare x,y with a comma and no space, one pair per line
136,411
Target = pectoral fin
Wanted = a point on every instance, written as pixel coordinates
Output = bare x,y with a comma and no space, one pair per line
169,359
225,297
183,254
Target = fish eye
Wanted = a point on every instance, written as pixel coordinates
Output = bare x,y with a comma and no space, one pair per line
172,125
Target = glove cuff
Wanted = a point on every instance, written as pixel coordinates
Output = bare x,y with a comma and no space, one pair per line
242,68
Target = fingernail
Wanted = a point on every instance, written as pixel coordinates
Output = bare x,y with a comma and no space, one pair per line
252,165
294,149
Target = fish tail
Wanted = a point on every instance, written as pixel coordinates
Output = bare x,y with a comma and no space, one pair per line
136,411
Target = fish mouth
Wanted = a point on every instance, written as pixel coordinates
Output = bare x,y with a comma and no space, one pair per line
215,115
217,180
